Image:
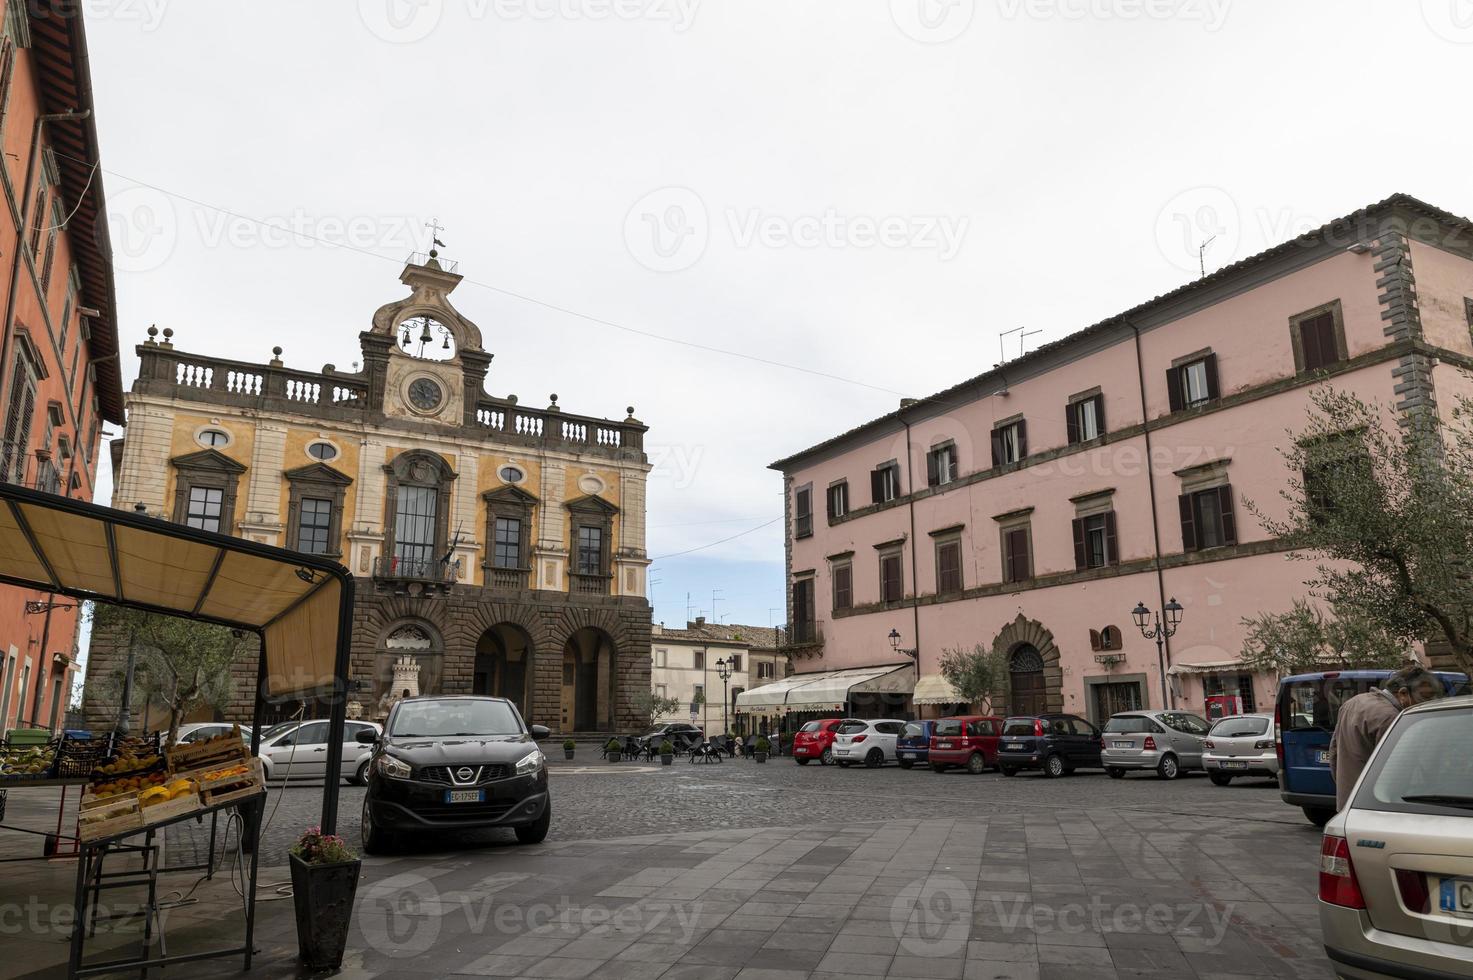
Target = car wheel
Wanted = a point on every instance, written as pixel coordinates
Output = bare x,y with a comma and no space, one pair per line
360,778
536,832
375,840
905,763
976,764
1115,772
937,767
1318,815
1008,770
875,759
827,757
1219,778
1168,767
802,762
1053,766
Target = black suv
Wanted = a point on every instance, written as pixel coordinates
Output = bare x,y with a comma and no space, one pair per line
681,735
455,763
1057,744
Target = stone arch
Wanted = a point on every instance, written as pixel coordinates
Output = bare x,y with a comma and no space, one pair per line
1022,633
504,664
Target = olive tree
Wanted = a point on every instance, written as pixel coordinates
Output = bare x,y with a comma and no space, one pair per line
977,674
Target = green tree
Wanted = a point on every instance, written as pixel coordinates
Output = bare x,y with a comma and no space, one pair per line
1304,639
652,705
179,663
977,674
1382,505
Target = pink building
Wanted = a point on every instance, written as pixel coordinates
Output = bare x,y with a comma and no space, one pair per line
1029,509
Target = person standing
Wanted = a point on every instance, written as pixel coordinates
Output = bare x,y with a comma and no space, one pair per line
1366,718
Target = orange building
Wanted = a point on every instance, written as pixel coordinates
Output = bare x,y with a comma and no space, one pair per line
59,376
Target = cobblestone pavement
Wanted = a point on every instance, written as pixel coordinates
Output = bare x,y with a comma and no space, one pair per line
776,872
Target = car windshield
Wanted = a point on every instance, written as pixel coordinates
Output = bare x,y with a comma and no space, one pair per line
811,727
277,729
1239,727
1018,726
455,716
1424,766
914,729
1129,725
1314,704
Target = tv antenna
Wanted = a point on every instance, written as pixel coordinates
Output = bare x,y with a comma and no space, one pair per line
1023,334
1202,255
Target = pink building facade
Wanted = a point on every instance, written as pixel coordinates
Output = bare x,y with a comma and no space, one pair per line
1031,508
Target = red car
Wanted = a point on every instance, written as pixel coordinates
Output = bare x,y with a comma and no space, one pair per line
967,740
815,740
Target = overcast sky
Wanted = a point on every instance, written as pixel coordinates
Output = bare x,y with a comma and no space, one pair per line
819,206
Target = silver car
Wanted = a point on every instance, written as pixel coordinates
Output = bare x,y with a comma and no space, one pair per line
1240,745
298,750
1396,865
1169,742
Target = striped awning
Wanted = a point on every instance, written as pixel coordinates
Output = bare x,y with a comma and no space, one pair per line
935,689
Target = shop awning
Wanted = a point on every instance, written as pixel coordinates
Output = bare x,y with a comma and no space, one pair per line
935,689
300,605
829,691
769,698
1206,667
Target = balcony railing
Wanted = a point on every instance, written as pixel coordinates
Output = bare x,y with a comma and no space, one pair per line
395,569
556,427
589,584
508,578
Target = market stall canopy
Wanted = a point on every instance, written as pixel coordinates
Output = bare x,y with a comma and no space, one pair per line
301,605
1205,667
935,689
827,690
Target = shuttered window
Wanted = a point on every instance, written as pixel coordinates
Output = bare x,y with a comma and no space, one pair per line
1009,443
941,465
885,483
18,421
838,500
1017,560
1085,419
803,513
1318,343
949,566
843,575
804,629
1193,383
1207,519
892,585
1095,541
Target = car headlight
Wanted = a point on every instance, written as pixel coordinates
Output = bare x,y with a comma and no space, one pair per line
530,763
393,768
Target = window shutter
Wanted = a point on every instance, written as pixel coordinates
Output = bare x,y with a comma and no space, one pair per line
1007,557
1188,523
829,501
996,447
1173,389
1022,439
1081,558
1071,423
933,468
877,486
1229,519
1210,361
1095,643
1112,550
1024,561
1099,401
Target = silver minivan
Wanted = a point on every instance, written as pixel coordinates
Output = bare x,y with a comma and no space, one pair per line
1396,865
1240,745
1169,742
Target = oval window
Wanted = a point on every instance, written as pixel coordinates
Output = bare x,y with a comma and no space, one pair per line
323,451
511,474
213,438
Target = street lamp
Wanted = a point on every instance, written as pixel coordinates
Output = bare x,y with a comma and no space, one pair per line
1163,628
723,671
895,645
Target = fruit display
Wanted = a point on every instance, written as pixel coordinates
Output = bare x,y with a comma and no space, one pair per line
129,784
177,789
26,761
229,772
126,762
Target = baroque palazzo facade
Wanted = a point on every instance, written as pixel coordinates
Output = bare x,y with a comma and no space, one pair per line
498,549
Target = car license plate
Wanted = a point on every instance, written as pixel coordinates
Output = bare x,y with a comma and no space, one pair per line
1014,746
1232,765
1456,896
1322,757
1122,745
465,796
943,745
907,755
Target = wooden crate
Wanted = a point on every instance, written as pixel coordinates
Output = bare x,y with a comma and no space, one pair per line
111,826
212,755
159,812
234,787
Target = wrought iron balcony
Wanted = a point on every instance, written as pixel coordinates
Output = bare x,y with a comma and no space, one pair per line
390,568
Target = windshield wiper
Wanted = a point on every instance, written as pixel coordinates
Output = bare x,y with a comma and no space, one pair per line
1440,799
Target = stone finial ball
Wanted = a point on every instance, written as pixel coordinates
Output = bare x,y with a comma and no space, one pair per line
553,397
630,409
276,351
168,332
153,331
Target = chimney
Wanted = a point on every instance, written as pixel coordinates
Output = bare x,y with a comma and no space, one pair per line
698,624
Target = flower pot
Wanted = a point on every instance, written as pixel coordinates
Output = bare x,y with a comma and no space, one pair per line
614,756
567,753
665,760
759,756
323,895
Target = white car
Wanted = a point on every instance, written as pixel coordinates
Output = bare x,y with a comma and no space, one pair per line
1396,865
1240,745
298,750
200,730
870,742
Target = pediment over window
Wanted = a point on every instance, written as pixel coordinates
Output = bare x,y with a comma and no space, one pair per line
592,505
509,495
318,473
421,467
208,459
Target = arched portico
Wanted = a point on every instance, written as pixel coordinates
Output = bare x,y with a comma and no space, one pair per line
504,665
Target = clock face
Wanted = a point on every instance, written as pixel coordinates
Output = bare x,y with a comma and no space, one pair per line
425,394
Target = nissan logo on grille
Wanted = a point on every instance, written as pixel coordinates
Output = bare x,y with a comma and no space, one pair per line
464,773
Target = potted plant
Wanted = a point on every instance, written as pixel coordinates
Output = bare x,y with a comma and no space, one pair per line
759,751
324,882
613,750
667,752
568,746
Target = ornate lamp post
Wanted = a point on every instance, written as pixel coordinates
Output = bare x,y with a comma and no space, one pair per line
723,671
1163,628
895,645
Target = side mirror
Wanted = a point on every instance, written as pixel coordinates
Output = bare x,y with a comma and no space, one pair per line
539,732
366,736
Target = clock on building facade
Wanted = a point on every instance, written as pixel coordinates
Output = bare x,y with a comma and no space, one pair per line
425,394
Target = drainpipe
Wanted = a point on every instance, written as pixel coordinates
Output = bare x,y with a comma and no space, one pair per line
1140,373
915,606
28,194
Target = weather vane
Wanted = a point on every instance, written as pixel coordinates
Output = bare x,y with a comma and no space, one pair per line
435,228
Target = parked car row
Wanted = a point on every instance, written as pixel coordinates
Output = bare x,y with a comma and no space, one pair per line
1166,743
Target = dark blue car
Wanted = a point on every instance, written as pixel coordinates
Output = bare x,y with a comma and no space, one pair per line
1305,714
913,747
